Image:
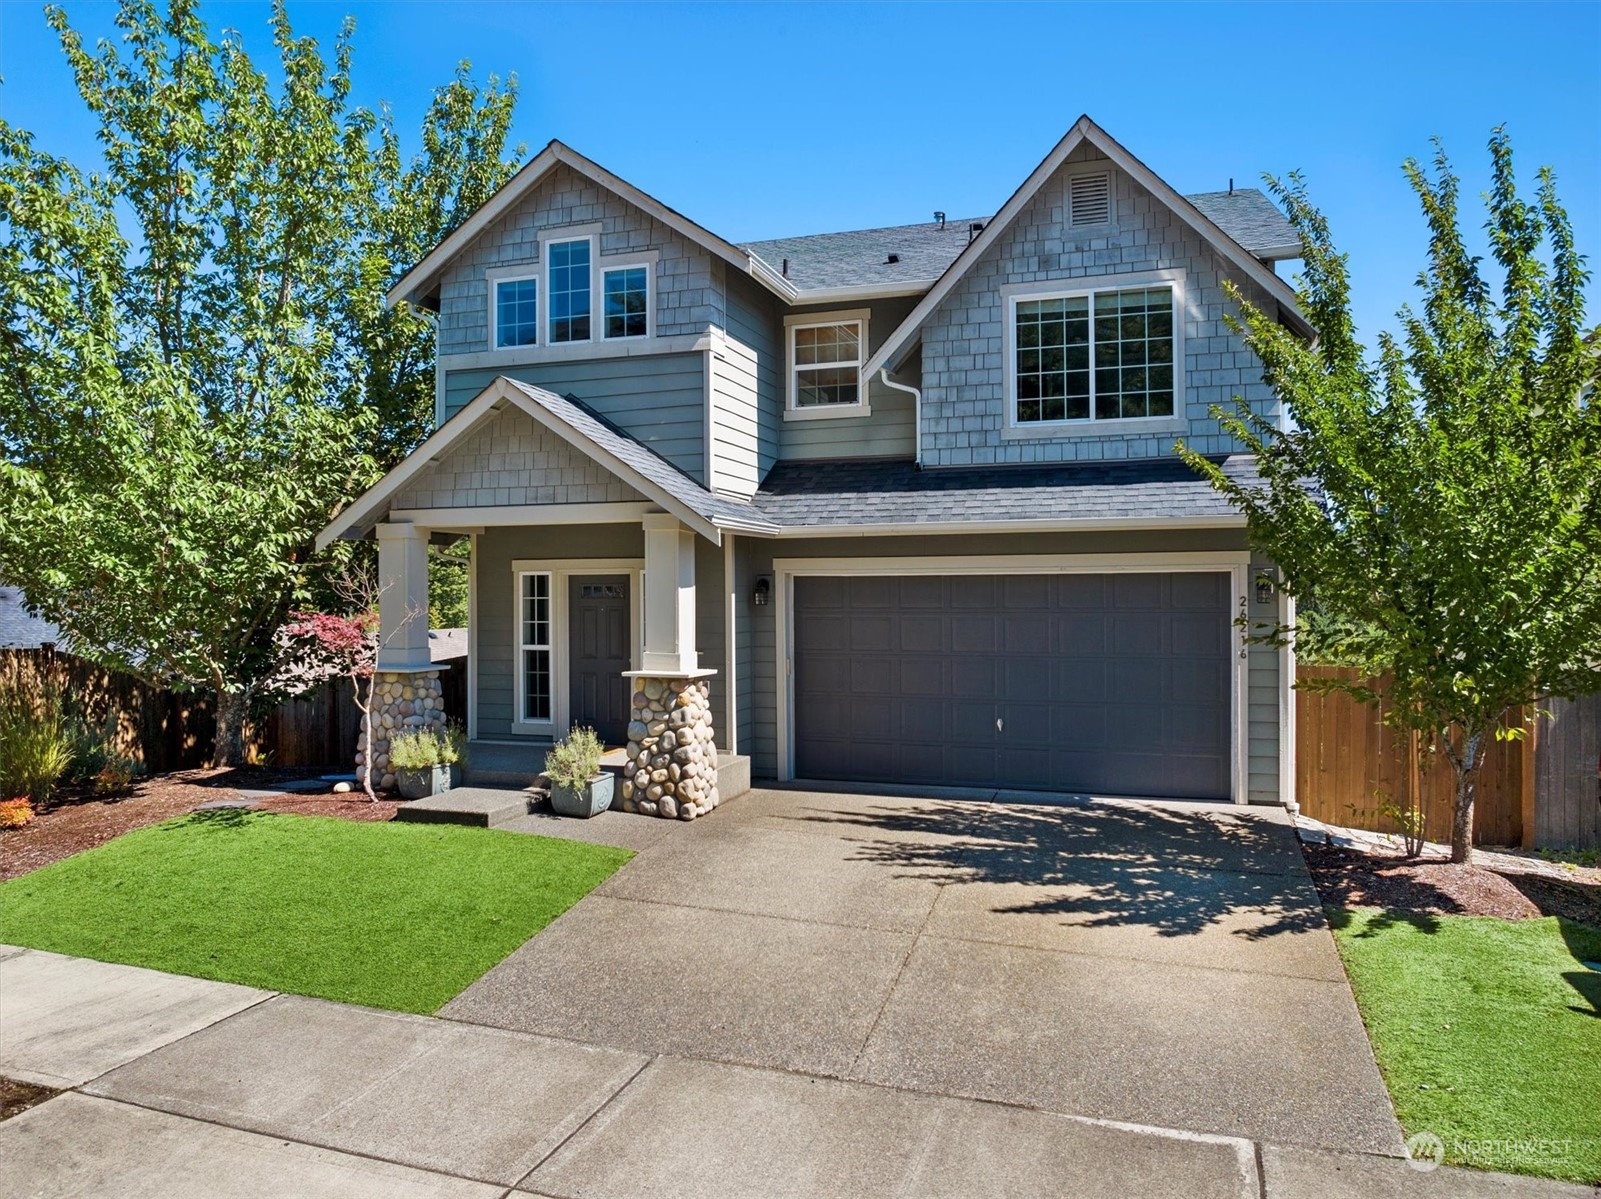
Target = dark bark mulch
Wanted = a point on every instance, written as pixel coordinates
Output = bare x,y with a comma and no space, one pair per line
1350,878
17,1097
75,822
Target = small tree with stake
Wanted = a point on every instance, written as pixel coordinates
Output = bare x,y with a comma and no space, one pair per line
1441,505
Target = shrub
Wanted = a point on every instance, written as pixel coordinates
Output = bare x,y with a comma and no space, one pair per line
575,759
419,749
114,776
14,813
456,742
35,738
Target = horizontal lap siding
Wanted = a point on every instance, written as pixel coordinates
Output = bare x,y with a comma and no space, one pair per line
1262,705
736,417
754,322
658,399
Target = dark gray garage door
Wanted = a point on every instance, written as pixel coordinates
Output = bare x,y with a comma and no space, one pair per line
1117,684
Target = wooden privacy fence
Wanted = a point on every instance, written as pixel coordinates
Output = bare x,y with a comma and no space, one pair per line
167,730
1539,791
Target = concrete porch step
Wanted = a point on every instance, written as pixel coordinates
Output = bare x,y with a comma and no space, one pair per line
480,806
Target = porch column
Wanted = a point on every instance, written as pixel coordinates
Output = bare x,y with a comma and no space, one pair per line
403,602
672,748
669,597
406,694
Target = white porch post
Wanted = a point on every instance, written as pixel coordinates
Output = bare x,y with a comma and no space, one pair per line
403,603
669,597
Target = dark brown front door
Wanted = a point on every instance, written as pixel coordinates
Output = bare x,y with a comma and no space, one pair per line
598,644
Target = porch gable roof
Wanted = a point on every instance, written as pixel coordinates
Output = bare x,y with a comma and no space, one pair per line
631,461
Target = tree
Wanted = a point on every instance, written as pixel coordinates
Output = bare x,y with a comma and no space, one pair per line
182,408
1441,503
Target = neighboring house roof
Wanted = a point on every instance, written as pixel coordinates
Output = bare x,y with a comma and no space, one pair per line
420,284
634,462
872,495
19,629
445,644
889,353
857,260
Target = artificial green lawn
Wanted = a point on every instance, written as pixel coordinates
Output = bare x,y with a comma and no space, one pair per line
400,916
1487,1032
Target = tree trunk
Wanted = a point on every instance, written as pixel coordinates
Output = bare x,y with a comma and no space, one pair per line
232,708
1466,767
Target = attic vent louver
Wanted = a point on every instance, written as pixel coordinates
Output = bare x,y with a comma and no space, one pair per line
1090,200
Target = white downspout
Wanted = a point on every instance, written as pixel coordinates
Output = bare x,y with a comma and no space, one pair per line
917,409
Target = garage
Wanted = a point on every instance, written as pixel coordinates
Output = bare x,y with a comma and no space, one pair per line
1115,683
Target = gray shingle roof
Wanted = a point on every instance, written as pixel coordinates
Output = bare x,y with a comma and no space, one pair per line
859,257
869,492
18,629
1249,217
720,510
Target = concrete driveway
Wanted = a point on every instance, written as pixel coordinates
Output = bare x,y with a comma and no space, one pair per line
1158,964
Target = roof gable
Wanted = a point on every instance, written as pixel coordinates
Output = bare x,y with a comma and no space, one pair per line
417,284
1084,131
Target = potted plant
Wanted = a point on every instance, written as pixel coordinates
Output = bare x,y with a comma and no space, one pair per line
421,761
578,786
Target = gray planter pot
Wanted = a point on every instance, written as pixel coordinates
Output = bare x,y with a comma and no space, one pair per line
592,800
418,784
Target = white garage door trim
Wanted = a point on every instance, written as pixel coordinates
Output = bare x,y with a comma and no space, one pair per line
1236,564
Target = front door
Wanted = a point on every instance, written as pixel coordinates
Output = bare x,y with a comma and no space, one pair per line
599,653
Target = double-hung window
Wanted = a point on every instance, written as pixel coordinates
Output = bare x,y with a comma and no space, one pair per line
825,365
567,290
1093,355
534,658
625,302
516,312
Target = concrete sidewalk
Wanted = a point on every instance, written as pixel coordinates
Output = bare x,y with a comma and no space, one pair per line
277,1094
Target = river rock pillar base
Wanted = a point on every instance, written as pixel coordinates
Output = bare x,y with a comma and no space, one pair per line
401,701
671,770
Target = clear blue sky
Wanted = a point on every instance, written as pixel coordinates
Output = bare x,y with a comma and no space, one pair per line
775,119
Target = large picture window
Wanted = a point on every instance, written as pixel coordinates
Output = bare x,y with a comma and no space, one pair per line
1097,355
825,364
535,646
567,293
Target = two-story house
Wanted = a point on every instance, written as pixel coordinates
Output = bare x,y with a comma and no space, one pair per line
889,506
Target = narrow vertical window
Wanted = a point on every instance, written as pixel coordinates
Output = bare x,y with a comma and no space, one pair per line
567,293
516,312
625,302
534,641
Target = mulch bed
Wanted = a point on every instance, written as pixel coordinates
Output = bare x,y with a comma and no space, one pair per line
76,822
1351,879
17,1097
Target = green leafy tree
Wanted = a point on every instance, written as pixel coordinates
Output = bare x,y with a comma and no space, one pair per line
1442,502
183,406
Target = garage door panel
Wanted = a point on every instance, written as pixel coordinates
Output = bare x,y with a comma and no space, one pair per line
1102,683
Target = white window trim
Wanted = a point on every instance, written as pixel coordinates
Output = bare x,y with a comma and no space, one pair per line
606,268
554,237
520,274
561,571
1236,564
1012,294
816,320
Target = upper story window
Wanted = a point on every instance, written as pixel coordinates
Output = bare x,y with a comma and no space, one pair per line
568,289
625,302
516,312
825,364
1093,355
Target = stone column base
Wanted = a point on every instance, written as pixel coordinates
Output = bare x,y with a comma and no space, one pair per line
672,751
401,700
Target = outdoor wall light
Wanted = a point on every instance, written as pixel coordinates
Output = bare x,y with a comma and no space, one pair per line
764,588
1265,586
